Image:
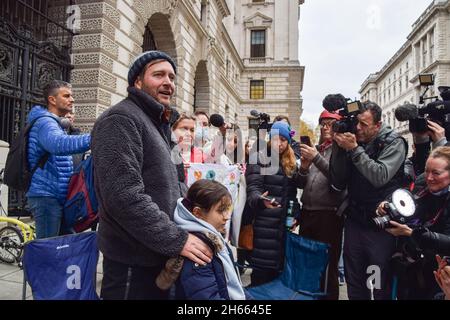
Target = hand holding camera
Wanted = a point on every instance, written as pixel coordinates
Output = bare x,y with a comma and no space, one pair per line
394,215
346,141
269,203
436,132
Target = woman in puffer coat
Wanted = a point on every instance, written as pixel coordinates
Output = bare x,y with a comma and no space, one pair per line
275,180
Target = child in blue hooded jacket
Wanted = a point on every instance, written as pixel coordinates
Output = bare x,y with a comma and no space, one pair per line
204,212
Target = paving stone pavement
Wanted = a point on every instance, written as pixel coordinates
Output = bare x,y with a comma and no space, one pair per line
11,282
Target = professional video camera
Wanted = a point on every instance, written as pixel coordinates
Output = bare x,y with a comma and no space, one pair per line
437,111
264,120
348,110
400,209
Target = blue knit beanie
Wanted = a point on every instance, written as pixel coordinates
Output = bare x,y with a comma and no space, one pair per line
283,130
143,59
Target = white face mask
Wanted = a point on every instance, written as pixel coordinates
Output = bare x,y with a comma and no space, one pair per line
201,136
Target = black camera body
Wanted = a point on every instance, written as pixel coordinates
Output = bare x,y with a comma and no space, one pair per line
437,111
264,120
400,209
349,112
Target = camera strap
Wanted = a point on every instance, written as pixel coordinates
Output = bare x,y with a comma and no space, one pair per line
433,221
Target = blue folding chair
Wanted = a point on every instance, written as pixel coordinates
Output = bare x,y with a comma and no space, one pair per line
62,268
306,263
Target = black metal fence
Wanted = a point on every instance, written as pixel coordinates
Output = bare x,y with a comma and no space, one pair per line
35,45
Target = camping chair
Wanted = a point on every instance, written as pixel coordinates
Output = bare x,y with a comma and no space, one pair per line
306,263
61,268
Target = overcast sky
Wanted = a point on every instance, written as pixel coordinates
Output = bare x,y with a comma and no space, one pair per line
342,42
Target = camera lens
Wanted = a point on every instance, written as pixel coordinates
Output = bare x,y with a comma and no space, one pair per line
382,222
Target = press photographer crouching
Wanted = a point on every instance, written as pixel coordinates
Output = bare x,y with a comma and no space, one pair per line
425,233
369,161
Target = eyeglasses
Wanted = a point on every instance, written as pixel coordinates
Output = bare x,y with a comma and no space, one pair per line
326,124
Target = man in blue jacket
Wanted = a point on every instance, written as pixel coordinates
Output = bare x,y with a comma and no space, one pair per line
48,140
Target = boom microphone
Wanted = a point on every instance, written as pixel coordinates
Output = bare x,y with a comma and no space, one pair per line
217,120
334,102
406,112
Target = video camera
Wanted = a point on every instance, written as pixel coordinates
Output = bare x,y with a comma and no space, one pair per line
349,111
400,209
437,111
264,120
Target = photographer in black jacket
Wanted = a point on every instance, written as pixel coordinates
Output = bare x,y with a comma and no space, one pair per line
370,164
428,235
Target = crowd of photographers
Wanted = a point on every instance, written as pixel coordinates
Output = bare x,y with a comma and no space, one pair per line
358,183
397,217
352,184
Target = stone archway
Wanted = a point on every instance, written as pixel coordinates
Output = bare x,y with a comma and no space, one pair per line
202,100
159,36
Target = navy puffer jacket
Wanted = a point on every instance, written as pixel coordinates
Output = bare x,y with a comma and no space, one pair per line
269,225
47,135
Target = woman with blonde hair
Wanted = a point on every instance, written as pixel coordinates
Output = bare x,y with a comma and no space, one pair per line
427,234
271,176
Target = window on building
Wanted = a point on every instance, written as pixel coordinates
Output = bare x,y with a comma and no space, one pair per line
401,71
256,89
432,46
258,44
395,90
417,53
257,1
424,54
203,11
407,65
400,86
406,81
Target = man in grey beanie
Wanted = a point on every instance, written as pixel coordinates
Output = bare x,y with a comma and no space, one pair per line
137,185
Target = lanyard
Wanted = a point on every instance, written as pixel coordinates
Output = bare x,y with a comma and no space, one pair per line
433,221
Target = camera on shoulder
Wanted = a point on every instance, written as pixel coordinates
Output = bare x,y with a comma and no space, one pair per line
349,110
437,111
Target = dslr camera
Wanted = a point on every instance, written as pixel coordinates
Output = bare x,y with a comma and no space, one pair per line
264,120
437,111
400,209
347,109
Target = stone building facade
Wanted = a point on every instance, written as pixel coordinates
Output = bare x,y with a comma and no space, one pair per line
232,56
426,51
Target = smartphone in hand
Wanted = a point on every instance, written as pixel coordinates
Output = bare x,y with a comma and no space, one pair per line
306,140
271,200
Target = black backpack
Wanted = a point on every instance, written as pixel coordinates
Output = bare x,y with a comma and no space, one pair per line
17,175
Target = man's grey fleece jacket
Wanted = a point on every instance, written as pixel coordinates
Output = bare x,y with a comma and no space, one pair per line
136,183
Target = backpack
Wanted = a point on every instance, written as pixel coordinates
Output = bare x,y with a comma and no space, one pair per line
17,174
80,210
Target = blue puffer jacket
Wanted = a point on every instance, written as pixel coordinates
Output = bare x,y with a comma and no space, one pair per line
47,135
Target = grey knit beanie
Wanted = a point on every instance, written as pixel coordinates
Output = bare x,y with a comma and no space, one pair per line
143,59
